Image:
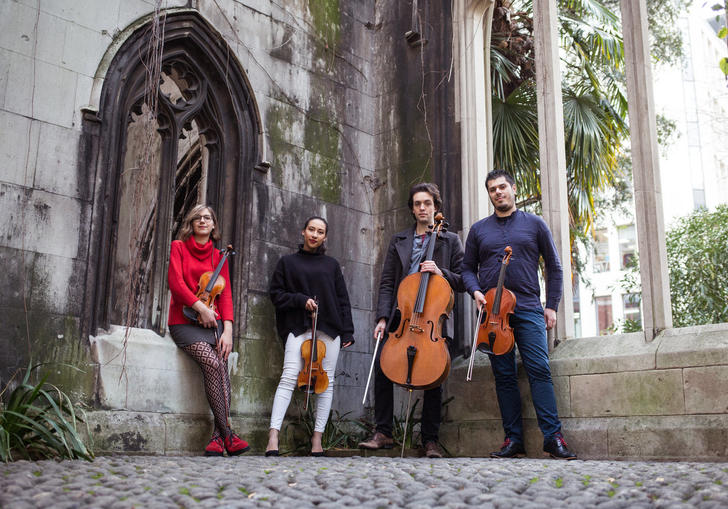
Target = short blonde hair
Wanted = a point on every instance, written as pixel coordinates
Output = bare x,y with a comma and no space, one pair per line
186,230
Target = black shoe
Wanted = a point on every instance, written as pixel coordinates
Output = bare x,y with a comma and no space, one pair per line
318,454
272,452
432,450
556,448
510,449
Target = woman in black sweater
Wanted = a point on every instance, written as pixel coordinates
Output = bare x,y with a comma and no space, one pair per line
305,281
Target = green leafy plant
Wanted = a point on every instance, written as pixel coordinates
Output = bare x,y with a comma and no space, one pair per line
721,11
39,421
413,436
340,432
698,267
403,429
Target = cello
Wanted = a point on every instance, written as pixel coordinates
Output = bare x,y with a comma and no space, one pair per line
494,335
415,355
313,378
210,285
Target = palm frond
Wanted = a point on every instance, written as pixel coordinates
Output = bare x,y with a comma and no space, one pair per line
515,136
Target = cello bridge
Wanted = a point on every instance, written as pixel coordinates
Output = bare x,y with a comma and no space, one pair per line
416,328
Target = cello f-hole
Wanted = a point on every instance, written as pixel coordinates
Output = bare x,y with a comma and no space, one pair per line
404,327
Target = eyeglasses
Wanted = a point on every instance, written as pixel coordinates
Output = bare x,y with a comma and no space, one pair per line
199,219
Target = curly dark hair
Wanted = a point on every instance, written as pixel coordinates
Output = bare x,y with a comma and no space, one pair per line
425,187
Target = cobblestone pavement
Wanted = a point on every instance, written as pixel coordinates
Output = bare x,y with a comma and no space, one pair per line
255,481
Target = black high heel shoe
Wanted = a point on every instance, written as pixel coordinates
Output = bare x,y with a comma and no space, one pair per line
272,452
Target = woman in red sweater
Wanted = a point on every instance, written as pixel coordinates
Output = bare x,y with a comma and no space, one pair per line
209,343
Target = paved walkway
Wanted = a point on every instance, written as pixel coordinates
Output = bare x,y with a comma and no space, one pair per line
255,481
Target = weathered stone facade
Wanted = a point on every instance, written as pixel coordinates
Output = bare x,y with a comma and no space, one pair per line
345,111
303,107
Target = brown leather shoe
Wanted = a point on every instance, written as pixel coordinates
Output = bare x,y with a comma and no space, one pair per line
378,441
432,450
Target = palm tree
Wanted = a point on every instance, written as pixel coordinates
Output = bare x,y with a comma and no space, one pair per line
593,96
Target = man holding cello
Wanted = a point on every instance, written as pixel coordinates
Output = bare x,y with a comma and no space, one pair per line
405,256
529,238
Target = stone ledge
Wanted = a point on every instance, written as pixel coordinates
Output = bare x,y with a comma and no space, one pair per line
703,345
618,397
603,354
669,438
120,432
158,376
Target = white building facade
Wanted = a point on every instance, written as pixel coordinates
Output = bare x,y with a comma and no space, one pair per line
694,170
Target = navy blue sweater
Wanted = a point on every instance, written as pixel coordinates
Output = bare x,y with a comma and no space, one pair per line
530,238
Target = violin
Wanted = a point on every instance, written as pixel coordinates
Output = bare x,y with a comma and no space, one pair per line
210,285
415,355
495,335
313,378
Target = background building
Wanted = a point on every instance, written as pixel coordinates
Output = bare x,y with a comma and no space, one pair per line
693,166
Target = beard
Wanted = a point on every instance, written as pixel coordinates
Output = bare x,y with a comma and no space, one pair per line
503,207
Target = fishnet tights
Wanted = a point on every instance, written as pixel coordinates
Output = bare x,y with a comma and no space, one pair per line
217,382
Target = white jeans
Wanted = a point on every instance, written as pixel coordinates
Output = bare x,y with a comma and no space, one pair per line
292,364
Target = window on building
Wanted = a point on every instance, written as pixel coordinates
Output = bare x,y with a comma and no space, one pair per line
699,199
631,307
601,251
577,308
627,245
605,322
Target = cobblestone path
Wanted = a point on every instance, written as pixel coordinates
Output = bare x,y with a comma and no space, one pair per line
255,481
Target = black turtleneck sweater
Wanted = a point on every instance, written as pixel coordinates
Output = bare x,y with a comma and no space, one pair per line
301,276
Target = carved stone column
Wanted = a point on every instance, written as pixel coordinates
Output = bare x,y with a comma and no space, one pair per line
552,153
471,48
657,313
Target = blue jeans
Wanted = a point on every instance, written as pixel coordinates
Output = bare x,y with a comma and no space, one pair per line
529,330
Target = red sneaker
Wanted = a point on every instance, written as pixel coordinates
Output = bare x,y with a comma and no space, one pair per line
215,447
234,445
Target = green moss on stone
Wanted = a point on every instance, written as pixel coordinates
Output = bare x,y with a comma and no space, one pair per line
262,359
261,318
326,179
280,119
326,20
322,138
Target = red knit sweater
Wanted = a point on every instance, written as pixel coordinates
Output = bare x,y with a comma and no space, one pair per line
188,260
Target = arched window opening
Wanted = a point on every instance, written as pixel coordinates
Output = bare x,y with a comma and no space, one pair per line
199,148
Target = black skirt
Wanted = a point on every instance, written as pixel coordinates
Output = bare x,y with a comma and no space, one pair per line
185,334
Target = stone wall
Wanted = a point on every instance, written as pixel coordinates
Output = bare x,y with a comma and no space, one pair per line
618,397
350,115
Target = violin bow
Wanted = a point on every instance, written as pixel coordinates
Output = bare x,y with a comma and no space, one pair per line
313,349
406,422
371,368
469,376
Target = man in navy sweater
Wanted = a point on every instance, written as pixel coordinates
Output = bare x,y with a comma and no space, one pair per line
530,238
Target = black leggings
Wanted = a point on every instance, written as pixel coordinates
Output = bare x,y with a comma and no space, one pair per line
217,382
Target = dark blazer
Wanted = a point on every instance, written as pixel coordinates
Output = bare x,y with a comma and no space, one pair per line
448,256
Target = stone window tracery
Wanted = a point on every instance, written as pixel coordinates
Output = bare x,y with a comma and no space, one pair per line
198,148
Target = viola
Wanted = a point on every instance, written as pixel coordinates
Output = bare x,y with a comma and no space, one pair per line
210,285
415,355
495,335
313,378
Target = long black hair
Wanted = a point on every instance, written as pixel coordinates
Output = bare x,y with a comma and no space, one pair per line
322,248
